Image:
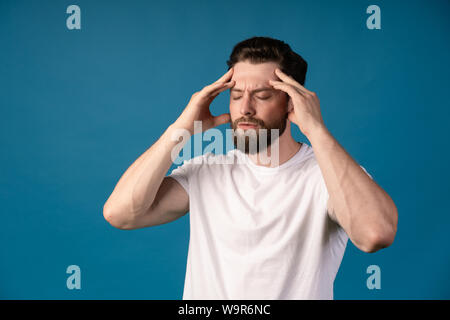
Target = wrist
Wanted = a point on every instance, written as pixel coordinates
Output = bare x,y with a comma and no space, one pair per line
178,125
175,133
318,135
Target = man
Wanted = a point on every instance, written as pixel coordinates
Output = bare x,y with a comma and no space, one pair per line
274,230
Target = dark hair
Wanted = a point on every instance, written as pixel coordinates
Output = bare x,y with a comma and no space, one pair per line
265,49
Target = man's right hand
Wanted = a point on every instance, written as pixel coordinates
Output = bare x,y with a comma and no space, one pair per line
198,107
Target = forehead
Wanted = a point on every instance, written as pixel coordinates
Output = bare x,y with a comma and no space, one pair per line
248,75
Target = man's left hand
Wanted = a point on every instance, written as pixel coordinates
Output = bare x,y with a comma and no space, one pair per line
303,106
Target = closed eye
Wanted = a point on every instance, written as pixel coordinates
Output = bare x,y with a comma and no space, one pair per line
260,98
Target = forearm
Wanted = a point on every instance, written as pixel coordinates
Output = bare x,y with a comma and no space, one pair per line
137,188
361,206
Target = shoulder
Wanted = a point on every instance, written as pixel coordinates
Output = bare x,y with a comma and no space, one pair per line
313,165
308,161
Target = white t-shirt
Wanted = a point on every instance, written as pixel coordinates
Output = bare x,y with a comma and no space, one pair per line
258,232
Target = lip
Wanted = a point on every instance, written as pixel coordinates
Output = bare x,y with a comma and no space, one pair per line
246,125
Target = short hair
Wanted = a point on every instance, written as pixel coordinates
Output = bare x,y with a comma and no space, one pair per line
265,49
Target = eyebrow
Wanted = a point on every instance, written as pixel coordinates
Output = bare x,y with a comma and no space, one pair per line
256,90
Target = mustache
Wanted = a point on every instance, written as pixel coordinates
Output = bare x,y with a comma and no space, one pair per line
249,120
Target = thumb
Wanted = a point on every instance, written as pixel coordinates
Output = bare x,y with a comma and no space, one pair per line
223,118
291,116
290,105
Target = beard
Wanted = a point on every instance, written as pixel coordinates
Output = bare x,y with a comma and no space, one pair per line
251,141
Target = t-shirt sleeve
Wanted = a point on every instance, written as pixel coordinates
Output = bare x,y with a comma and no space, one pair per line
181,174
185,173
366,172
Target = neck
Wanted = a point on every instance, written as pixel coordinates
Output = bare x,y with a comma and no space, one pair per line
287,148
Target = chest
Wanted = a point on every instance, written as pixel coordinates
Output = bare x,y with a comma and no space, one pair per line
252,199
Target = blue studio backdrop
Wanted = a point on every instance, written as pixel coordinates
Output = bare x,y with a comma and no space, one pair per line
78,106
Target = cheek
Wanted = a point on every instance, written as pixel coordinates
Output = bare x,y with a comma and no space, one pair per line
234,108
234,111
278,104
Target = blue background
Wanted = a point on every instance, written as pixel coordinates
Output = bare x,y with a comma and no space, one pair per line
79,106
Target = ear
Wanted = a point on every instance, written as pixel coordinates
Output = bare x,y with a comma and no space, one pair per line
290,104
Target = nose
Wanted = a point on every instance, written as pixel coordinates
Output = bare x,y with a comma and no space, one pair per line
247,108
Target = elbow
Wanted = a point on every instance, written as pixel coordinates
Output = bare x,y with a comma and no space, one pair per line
113,218
381,236
378,239
376,242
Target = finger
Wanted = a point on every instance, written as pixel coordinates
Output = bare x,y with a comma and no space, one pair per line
291,116
290,105
289,89
301,92
220,89
223,118
215,88
210,89
227,76
288,79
